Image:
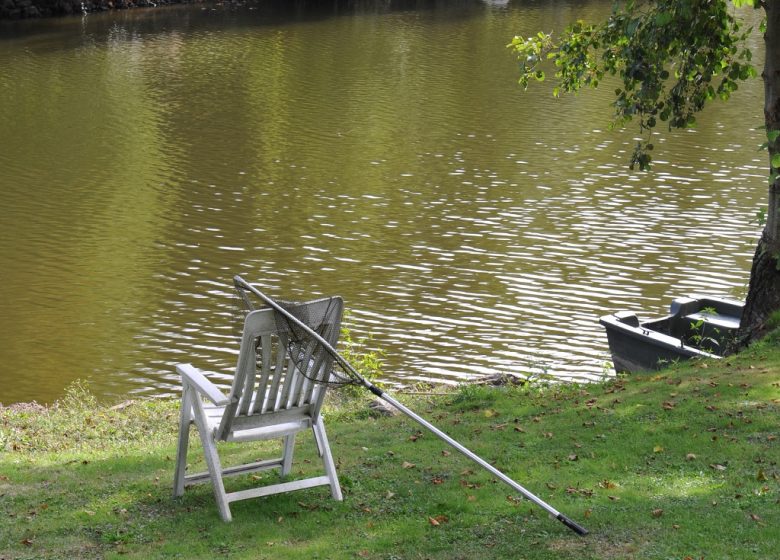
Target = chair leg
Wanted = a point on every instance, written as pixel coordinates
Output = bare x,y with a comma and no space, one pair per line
327,459
212,461
184,440
289,447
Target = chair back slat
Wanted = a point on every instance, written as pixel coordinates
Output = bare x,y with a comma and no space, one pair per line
276,375
265,372
307,389
249,374
267,380
294,379
289,378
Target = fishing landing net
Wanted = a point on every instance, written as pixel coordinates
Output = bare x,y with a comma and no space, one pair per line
305,351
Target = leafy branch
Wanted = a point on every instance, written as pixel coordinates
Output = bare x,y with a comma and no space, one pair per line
671,57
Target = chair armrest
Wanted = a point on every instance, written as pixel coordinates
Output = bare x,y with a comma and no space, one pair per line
201,384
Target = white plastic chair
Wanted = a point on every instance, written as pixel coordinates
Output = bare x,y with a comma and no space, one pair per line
270,398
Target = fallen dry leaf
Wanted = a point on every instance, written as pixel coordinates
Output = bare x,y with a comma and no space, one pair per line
657,512
690,457
408,465
657,449
718,467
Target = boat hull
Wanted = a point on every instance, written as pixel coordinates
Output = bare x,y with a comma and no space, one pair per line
696,328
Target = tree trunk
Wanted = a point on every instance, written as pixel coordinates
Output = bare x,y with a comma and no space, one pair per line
763,294
764,291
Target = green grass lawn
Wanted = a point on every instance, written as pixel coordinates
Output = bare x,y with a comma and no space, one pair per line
680,464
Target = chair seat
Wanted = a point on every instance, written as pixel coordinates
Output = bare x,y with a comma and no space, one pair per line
214,417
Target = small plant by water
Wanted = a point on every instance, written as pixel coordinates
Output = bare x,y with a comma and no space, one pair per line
698,336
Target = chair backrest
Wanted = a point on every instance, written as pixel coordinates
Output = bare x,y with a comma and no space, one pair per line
268,387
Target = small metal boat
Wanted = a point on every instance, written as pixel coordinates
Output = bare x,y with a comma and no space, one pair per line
696,327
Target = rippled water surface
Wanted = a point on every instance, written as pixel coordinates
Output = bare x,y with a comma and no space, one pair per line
384,154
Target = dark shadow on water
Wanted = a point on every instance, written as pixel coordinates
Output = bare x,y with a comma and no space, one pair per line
210,16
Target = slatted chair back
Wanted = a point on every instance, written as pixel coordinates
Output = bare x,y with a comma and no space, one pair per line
269,387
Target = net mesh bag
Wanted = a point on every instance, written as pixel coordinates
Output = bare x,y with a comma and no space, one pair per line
305,350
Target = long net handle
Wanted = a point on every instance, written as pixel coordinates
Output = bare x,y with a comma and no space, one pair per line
580,530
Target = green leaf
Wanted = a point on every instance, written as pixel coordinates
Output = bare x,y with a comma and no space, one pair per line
772,135
776,160
761,217
663,18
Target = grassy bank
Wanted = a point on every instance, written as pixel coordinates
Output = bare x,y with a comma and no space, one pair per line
680,464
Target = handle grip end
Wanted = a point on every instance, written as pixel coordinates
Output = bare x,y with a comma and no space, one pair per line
579,529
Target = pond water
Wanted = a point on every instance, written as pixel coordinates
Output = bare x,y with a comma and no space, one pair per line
382,152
